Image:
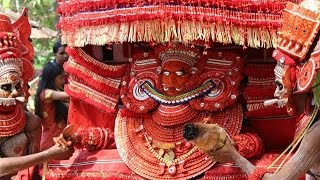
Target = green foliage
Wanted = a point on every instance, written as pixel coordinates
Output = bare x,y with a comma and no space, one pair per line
43,12
43,49
5,3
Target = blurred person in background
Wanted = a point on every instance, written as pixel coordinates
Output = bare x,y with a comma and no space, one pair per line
51,103
59,51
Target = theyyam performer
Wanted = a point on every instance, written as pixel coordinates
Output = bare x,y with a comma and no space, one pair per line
20,131
297,82
167,70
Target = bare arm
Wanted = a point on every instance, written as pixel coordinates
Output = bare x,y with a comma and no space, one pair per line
10,165
60,96
34,130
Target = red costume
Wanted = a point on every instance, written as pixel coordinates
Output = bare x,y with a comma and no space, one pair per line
167,83
16,69
50,127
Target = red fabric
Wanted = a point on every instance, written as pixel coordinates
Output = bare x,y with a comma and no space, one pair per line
257,174
249,144
107,164
87,115
273,110
103,164
275,132
50,128
259,70
225,171
25,174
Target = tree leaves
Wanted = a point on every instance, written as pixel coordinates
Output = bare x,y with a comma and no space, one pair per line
42,11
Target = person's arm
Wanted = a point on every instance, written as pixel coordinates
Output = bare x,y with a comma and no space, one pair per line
10,165
33,129
303,160
60,96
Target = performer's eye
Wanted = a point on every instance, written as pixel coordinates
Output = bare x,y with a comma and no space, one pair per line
6,87
18,86
166,73
180,73
279,85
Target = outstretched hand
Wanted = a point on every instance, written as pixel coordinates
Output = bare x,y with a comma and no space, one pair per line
57,152
62,150
60,141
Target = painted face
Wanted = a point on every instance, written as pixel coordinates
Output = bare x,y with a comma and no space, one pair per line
61,55
283,82
59,81
10,85
284,88
175,74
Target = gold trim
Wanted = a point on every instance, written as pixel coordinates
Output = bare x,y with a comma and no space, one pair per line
92,94
184,32
107,81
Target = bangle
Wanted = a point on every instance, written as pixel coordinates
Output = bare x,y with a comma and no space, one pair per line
257,174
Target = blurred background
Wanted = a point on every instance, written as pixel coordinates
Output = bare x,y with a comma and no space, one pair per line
43,18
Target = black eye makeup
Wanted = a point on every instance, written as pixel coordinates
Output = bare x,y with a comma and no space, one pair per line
6,87
279,85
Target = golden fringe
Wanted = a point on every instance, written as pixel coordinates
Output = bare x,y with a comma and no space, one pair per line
162,31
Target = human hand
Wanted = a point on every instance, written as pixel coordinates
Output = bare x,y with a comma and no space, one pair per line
61,141
57,152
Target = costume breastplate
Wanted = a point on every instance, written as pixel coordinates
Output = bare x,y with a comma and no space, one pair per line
155,149
13,140
13,122
158,157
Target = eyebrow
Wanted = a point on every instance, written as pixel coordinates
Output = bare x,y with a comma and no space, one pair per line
176,70
182,70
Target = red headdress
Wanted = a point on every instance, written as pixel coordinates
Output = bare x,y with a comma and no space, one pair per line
16,48
99,22
298,45
16,56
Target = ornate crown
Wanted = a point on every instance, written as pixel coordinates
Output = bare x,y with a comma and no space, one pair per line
16,51
186,56
10,65
5,23
9,44
301,27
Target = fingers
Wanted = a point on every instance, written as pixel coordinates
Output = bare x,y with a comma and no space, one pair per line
60,141
59,153
61,144
56,141
69,143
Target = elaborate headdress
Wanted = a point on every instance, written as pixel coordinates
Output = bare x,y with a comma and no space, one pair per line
246,22
298,44
16,51
185,56
16,55
298,63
